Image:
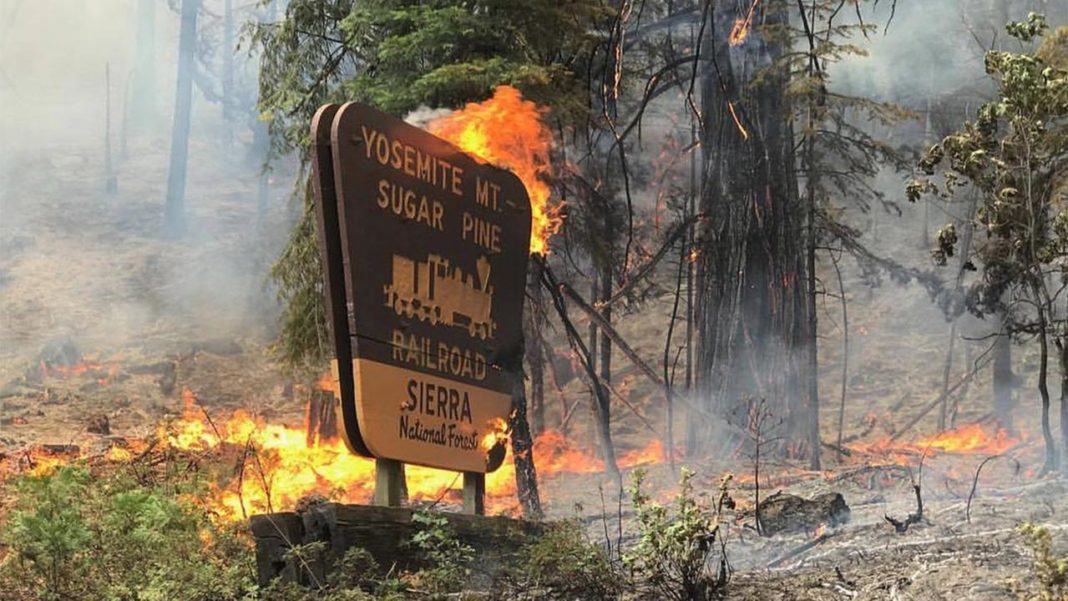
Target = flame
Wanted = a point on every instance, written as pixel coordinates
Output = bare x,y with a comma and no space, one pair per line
974,438
970,438
740,30
104,371
275,465
737,123
507,131
498,434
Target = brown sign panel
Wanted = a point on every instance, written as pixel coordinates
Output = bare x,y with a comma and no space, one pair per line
434,247
326,213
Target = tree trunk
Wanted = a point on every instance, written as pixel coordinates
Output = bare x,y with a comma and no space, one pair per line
187,39
228,100
143,93
1062,348
261,141
599,404
1004,381
526,477
606,342
1043,389
535,346
751,272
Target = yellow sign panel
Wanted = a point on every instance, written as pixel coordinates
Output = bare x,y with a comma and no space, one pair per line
427,419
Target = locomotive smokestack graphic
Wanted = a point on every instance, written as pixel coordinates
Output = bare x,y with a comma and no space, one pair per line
432,291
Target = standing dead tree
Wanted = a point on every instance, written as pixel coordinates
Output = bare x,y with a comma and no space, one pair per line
183,104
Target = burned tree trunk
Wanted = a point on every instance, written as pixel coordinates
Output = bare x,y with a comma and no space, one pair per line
183,102
599,402
526,477
750,305
536,354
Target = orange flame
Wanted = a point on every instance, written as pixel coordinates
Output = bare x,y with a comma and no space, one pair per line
970,438
507,131
104,371
740,30
737,123
276,466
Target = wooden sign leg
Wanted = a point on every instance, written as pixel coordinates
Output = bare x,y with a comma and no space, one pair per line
474,493
388,482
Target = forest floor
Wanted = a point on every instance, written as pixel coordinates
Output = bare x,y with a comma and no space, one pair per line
87,273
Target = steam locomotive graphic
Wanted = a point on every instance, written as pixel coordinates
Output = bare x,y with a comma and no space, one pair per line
433,291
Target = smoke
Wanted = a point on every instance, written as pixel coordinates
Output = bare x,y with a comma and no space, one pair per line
422,116
80,263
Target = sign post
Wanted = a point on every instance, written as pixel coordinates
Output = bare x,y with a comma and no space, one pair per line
425,253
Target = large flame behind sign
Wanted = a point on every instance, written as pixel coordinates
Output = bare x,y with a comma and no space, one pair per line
507,131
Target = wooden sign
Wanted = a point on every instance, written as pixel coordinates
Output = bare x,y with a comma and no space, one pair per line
433,249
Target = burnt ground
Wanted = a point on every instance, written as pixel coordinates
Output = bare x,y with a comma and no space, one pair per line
148,316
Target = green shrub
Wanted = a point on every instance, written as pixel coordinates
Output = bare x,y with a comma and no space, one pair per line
75,536
562,564
675,549
1050,571
448,560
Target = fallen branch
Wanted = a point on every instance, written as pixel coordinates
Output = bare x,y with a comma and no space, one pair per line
913,518
819,540
938,401
975,485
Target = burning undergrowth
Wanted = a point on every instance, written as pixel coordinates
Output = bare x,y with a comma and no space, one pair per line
274,466
258,465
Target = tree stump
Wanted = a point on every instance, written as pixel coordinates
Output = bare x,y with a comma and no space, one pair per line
383,531
783,513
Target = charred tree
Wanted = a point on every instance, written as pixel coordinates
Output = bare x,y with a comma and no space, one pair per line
536,355
750,289
526,477
183,104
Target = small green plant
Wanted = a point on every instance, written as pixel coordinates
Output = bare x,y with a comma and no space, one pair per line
1050,571
47,533
448,559
562,564
675,549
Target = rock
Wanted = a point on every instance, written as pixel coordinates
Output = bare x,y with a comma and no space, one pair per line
783,513
99,424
